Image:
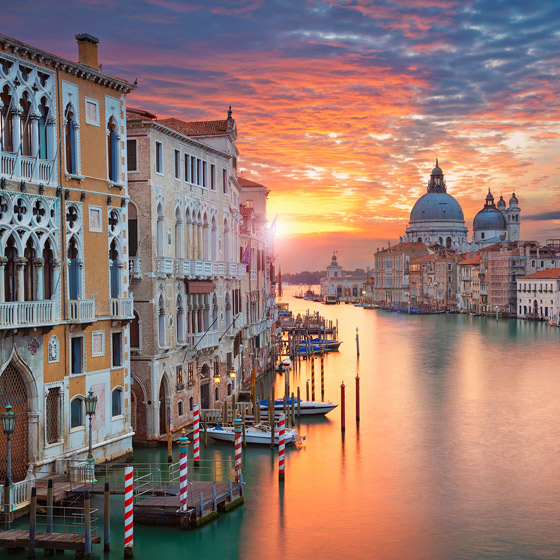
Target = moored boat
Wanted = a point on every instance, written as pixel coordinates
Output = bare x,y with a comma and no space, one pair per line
307,408
258,434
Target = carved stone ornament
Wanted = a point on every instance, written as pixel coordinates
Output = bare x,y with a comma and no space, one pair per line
53,349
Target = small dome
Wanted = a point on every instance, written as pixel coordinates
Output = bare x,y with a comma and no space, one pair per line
489,218
501,203
489,197
513,200
436,206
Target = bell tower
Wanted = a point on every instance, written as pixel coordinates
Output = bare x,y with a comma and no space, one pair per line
513,216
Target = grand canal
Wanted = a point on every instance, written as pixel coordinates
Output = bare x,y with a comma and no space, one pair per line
456,456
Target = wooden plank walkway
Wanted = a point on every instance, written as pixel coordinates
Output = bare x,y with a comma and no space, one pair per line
19,538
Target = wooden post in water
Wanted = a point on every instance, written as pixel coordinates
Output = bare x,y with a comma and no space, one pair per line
258,413
298,404
322,373
357,343
272,420
357,398
233,409
106,518
32,522
169,446
307,390
293,411
50,502
342,409
243,424
205,432
7,504
87,526
224,413
285,409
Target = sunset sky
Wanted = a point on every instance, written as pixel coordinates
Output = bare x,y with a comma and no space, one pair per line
343,106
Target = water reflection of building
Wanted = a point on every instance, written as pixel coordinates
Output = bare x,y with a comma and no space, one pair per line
336,284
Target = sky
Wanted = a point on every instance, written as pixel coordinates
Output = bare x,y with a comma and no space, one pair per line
342,106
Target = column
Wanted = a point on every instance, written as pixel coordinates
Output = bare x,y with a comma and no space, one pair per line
16,139
40,278
20,264
34,119
3,262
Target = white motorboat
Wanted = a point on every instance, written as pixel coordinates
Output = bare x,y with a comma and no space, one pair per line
258,434
307,408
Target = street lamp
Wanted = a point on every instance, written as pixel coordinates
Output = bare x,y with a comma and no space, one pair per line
8,425
232,373
91,403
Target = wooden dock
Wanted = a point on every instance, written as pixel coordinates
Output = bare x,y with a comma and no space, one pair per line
164,509
19,538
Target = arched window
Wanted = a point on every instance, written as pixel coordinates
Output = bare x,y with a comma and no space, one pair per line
115,276
48,258
6,121
161,322
180,320
70,141
116,402
180,410
112,151
206,312
448,242
135,331
205,240
228,311
191,404
77,412
178,234
159,231
226,241
199,235
132,230
216,395
229,389
214,242
74,274
10,274
25,126
44,147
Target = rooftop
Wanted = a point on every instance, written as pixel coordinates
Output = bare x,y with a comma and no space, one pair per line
546,274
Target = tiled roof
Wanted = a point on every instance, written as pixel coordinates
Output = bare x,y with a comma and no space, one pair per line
134,114
200,128
246,183
413,246
472,261
425,258
547,273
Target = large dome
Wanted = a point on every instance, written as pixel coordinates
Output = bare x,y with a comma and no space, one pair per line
436,207
489,218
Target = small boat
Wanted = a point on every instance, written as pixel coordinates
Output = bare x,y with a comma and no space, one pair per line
258,434
284,365
307,408
331,300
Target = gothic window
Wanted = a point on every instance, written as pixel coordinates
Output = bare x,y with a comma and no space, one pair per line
214,242
43,136
159,231
74,273
6,121
228,311
205,251
226,241
10,274
114,279
112,151
25,126
131,155
180,410
77,412
132,230
178,234
161,322
70,140
180,320
53,416
116,402
215,312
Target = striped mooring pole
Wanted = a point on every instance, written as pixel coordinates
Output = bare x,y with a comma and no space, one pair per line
183,471
196,437
322,373
238,447
312,375
128,512
281,445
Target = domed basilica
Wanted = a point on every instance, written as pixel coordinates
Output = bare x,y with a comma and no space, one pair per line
438,218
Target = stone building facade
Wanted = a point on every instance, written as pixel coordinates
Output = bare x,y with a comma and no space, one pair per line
65,299
185,269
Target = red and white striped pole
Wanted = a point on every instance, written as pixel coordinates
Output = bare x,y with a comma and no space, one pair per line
196,438
183,471
128,512
238,448
281,445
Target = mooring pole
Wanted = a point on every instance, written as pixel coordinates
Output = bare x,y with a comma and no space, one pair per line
298,404
205,432
196,436
322,374
281,446
312,375
307,390
357,398
32,522
183,472
169,446
342,409
49,506
87,526
7,504
243,421
238,448
128,512
357,343
293,410
106,518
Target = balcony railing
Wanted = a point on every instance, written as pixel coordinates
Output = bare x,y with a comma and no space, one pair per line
81,310
164,265
201,269
231,270
219,268
182,267
26,314
135,267
122,308
27,168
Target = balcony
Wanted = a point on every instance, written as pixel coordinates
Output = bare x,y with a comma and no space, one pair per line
81,310
164,265
182,267
240,321
241,271
219,269
135,267
27,168
232,270
202,340
201,269
17,314
122,308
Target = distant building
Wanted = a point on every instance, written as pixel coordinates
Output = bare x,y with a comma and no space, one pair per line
538,295
345,288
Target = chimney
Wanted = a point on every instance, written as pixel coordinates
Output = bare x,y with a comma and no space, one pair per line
87,50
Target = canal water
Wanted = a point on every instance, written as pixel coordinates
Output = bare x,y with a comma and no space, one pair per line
456,456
